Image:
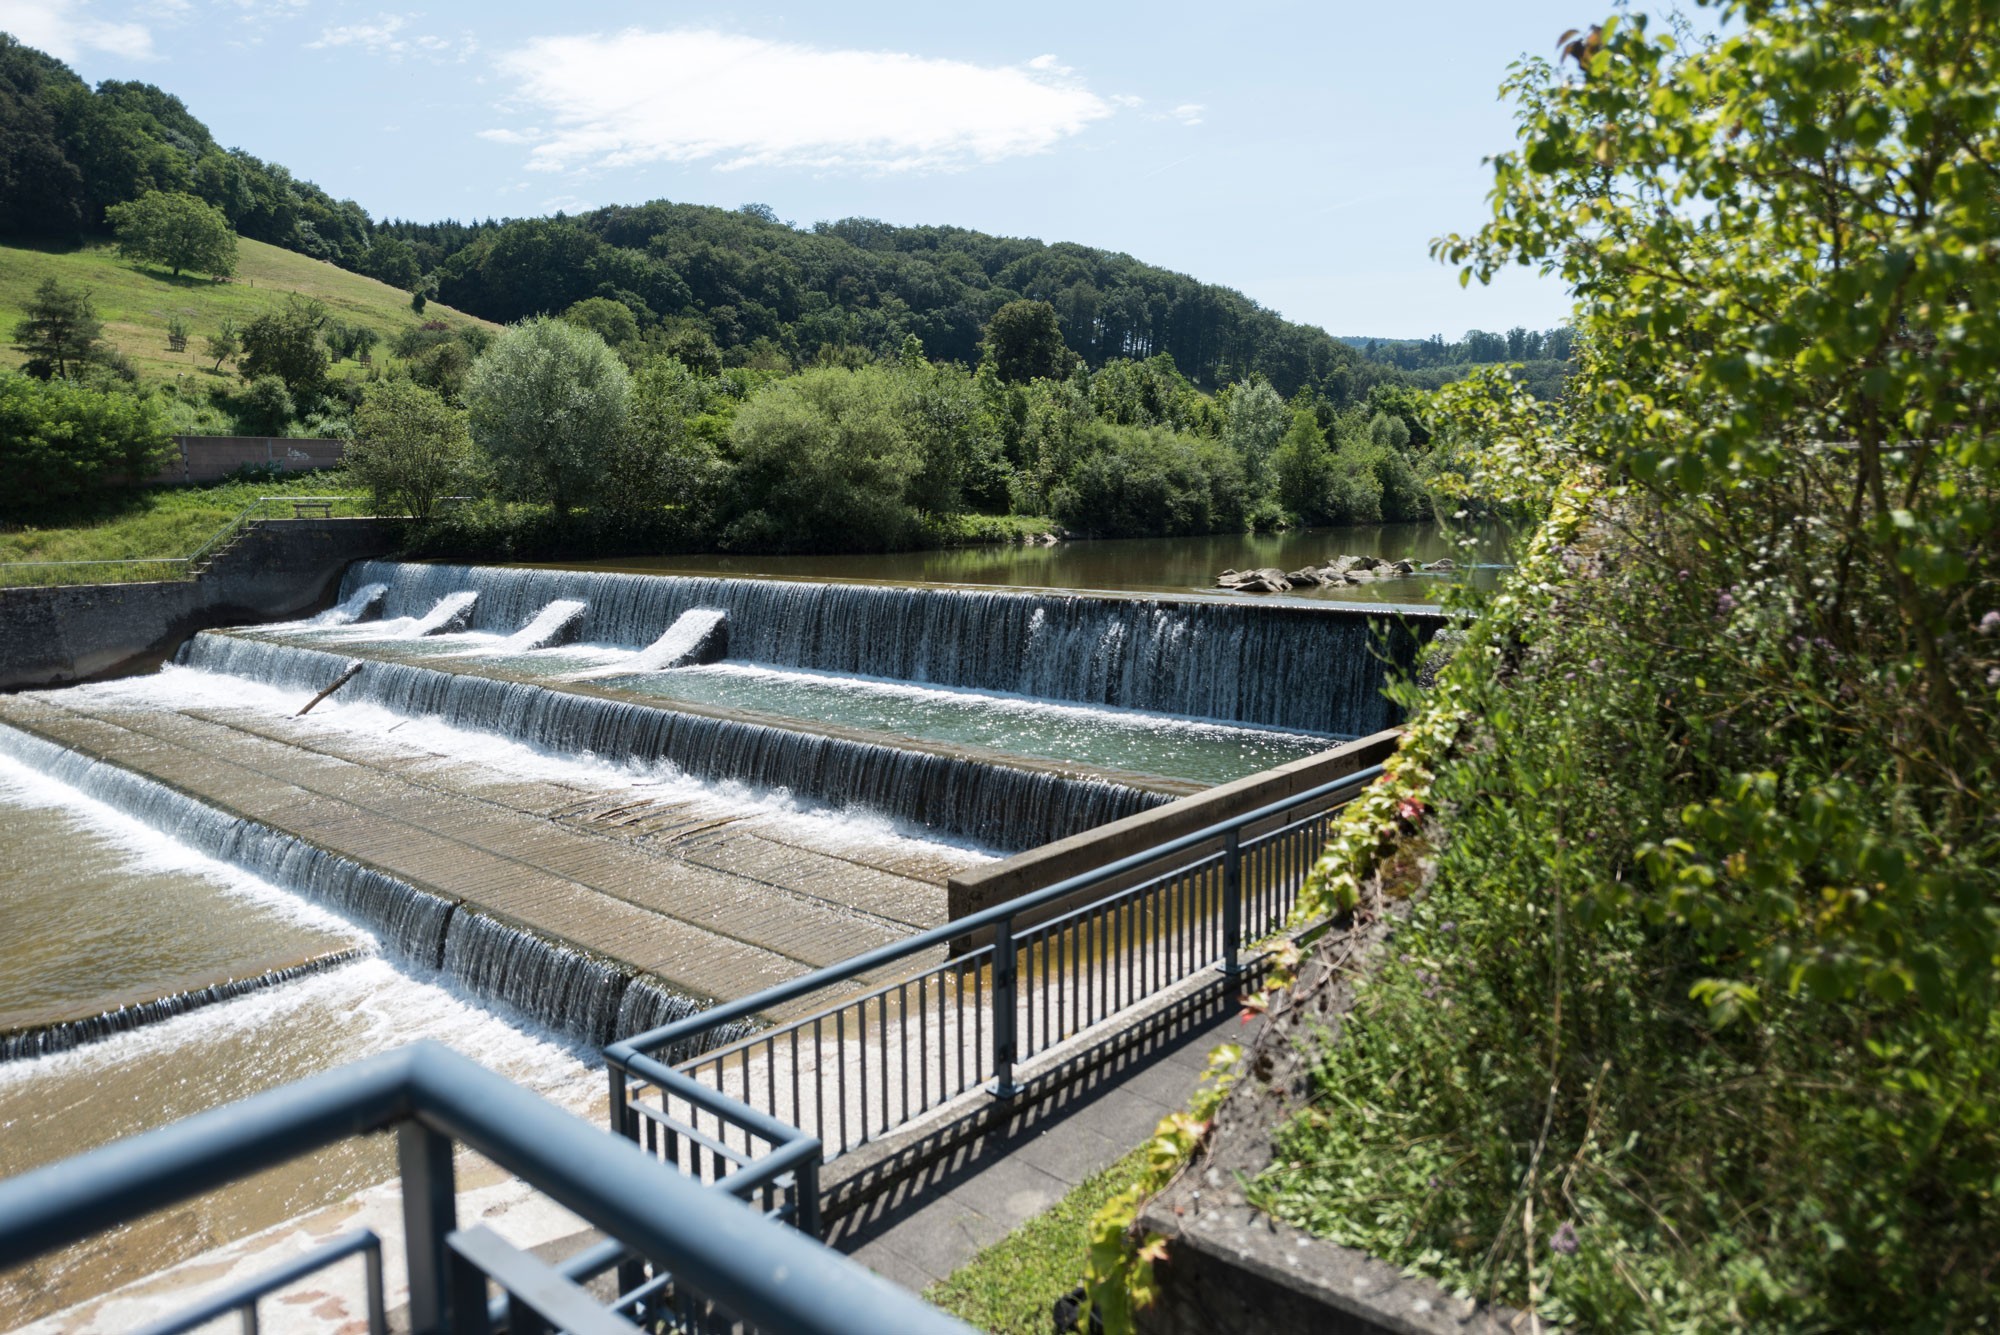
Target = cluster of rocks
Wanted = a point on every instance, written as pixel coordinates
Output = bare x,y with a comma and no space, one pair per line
1340,570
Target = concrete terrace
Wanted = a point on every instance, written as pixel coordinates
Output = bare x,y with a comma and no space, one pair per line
715,903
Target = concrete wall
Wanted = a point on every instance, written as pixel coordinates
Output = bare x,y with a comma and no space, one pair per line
1042,867
280,568
211,458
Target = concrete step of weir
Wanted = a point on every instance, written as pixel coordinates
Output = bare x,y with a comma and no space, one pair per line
693,922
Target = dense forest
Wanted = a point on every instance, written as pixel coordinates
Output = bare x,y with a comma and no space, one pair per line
737,286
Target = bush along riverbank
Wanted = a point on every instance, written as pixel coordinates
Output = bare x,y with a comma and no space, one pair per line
1695,1023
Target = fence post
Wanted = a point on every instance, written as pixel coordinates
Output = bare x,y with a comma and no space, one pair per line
1003,1009
806,1181
1232,904
430,1215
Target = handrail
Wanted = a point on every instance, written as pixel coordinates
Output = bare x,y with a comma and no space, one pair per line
755,1268
936,1034
626,1049
243,1297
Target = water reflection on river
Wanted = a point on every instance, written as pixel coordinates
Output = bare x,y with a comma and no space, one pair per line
1138,565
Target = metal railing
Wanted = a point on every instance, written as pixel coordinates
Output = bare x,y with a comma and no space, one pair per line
852,1058
18,573
686,1257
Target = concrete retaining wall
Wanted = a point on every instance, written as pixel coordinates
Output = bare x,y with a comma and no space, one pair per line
280,568
211,458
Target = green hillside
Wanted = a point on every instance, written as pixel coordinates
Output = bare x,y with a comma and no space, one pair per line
136,300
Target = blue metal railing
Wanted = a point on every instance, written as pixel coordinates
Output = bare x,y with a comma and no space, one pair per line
851,1059
688,1257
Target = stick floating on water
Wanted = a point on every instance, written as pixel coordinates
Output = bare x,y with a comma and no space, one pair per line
353,670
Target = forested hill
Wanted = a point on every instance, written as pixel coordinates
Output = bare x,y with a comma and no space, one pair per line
761,290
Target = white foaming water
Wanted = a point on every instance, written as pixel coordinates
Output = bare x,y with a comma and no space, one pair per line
449,614
390,1006
683,643
149,850
835,829
550,627
353,608
1097,715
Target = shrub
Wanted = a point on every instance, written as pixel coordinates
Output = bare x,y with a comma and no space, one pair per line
1144,481
60,442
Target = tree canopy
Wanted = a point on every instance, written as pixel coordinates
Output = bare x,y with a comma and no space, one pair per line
176,229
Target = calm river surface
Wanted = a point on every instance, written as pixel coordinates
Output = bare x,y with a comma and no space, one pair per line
1136,565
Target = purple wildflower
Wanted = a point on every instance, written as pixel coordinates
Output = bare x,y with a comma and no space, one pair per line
1564,1240
1990,624
1723,602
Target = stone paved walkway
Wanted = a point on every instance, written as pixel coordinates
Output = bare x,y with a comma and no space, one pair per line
1071,1124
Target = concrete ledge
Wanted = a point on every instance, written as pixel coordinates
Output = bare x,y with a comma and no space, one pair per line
1041,867
58,634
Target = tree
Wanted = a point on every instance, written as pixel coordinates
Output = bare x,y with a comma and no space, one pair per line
177,230
60,442
1025,342
1257,421
663,462
60,333
224,343
409,447
549,403
610,320
266,407
288,344
822,463
1302,470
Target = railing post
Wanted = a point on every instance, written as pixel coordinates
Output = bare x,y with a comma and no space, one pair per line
1232,904
430,1215
622,1122
1003,1009
806,1182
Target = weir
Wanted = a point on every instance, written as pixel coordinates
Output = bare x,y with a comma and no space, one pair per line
40,1040
567,989
1000,805
553,625
1308,668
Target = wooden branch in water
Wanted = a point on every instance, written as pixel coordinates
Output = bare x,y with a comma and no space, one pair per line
353,670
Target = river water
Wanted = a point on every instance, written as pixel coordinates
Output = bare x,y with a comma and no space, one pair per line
1135,565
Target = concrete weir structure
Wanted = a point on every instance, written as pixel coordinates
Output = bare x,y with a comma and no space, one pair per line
703,860
553,808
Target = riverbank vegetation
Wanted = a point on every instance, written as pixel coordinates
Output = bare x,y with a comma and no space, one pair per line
141,527
1695,1024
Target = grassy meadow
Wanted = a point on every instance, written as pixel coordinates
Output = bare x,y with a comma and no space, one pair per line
136,300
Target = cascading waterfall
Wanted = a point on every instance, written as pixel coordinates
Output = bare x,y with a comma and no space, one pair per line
43,1039
558,986
359,605
452,612
1304,668
497,959
700,635
1001,806
555,624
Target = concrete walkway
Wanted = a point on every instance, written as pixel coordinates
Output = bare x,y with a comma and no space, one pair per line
916,1208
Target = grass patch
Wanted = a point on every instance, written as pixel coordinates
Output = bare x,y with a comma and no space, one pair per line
1010,1287
145,525
971,530
135,302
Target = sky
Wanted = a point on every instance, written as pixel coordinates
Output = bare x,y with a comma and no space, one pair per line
1305,154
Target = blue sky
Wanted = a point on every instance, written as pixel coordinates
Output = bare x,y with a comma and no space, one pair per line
1303,153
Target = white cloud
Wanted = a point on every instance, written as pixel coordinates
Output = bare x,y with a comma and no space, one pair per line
696,95
65,29
388,36
379,36
1189,113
